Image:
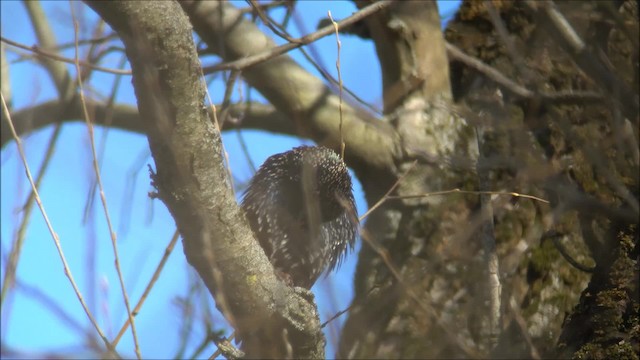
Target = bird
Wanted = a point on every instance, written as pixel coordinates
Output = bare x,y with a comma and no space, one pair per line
301,208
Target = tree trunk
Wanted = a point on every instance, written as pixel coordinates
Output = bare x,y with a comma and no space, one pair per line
434,301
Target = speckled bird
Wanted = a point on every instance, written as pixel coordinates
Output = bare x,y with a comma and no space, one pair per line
300,206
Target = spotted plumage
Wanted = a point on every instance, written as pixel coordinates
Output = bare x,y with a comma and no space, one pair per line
300,206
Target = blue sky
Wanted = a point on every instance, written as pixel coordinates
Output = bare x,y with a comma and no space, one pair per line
30,327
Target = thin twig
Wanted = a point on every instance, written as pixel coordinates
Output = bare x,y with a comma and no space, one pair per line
316,62
384,255
503,34
152,282
93,41
298,42
456,190
554,236
339,44
265,6
16,246
514,309
241,140
339,313
61,79
516,89
112,233
314,58
53,56
386,195
454,52
267,21
108,120
218,124
47,40
226,100
56,240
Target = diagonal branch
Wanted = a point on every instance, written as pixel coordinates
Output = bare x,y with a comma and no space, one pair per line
191,178
306,100
253,116
294,43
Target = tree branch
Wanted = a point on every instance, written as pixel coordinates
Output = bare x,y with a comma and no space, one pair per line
295,43
307,101
192,181
254,116
57,71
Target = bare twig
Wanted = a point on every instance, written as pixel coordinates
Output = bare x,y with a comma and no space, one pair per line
519,90
66,90
5,83
554,237
226,100
132,176
514,310
152,282
339,313
503,33
264,6
56,240
46,38
53,56
16,246
112,233
256,116
339,44
108,120
218,123
267,21
316,62
386,195
456,190
92,41
298,42
487,70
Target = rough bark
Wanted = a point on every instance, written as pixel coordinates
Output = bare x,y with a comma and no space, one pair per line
593,192
400,301
192,181
532,146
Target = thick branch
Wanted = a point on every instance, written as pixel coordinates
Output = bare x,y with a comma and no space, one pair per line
303,97
192,180
410,46
254,116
